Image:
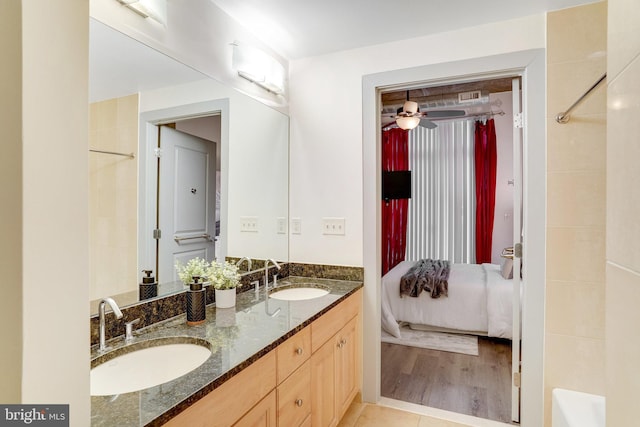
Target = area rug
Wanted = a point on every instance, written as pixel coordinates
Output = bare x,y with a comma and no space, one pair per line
455,343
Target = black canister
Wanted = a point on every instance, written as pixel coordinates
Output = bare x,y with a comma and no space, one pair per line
196,302
149,286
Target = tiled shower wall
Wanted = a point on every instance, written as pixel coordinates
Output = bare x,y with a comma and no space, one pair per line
623,214
576,197
113,197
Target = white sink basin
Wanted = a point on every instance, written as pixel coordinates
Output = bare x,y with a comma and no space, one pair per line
299,293
146,366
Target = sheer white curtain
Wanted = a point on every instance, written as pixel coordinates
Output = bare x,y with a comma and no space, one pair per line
441,223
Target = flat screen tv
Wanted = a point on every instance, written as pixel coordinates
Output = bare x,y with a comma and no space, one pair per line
396,185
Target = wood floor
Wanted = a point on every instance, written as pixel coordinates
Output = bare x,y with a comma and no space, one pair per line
472,385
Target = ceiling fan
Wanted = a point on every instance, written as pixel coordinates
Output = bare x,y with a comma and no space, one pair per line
410,116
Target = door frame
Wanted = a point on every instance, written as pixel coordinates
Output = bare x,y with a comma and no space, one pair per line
147,173
530,65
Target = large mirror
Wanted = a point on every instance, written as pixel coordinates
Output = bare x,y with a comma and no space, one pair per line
227,152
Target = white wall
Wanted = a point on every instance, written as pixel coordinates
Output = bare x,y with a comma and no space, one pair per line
55,230
326,126
503,220
257,170
202,41
328,161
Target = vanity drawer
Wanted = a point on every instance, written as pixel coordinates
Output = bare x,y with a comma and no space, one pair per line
330,323
224,405
293,353
294,397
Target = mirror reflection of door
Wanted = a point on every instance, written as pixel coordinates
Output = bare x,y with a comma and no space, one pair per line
187,211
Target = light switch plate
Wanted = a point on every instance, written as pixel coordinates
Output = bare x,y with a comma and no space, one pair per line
282,225
249,224
334,226
296,226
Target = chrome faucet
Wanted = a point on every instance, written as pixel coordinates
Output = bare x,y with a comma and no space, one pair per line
266,286
244,258
266,273
101,314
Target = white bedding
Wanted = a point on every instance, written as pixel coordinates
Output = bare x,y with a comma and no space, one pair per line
479,301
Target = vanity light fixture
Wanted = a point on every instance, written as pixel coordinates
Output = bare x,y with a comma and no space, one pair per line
258,67
154,9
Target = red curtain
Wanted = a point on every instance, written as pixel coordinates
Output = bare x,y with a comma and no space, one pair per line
485,162
395,157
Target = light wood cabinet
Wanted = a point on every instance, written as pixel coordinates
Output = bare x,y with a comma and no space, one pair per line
307,422
331,322
224,405
264,414
294,397
323,395
346,346
335,367
309,380
292,353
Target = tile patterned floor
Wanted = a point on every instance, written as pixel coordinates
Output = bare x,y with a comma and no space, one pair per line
368,415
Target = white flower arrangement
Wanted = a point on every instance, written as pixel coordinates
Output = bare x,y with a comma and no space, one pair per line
223,276
195,267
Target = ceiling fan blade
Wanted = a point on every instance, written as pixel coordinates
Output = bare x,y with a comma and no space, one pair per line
425,123
386,121
445,113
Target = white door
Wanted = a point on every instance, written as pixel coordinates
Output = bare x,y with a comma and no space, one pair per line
517,240
186,200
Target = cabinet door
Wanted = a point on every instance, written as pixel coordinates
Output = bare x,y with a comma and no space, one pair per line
307,422
323,398
346,347
262,415
330,323
294,397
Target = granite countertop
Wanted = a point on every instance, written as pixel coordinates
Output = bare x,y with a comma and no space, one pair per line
238,336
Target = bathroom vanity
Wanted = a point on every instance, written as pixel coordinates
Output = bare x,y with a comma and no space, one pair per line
273,362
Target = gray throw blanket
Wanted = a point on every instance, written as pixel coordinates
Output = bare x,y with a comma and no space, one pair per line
427,274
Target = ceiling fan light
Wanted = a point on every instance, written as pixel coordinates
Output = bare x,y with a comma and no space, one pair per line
410,107
407,123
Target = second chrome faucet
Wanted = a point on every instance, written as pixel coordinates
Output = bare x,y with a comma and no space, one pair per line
266,274
266,286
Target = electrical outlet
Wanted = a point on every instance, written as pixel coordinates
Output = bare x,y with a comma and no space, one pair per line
333,226
296,226
249,224
281,225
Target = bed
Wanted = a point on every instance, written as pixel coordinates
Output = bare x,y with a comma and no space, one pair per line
479,302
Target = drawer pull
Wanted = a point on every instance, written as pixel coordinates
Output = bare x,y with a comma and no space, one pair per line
299,351
343,341
298,402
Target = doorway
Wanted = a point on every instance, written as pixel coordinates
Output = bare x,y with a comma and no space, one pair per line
188,210
188,121
529,65
449,352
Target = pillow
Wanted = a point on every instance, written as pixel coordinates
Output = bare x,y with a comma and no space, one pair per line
506,268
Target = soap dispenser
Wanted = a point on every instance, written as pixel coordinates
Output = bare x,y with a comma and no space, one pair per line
148,286
196,302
